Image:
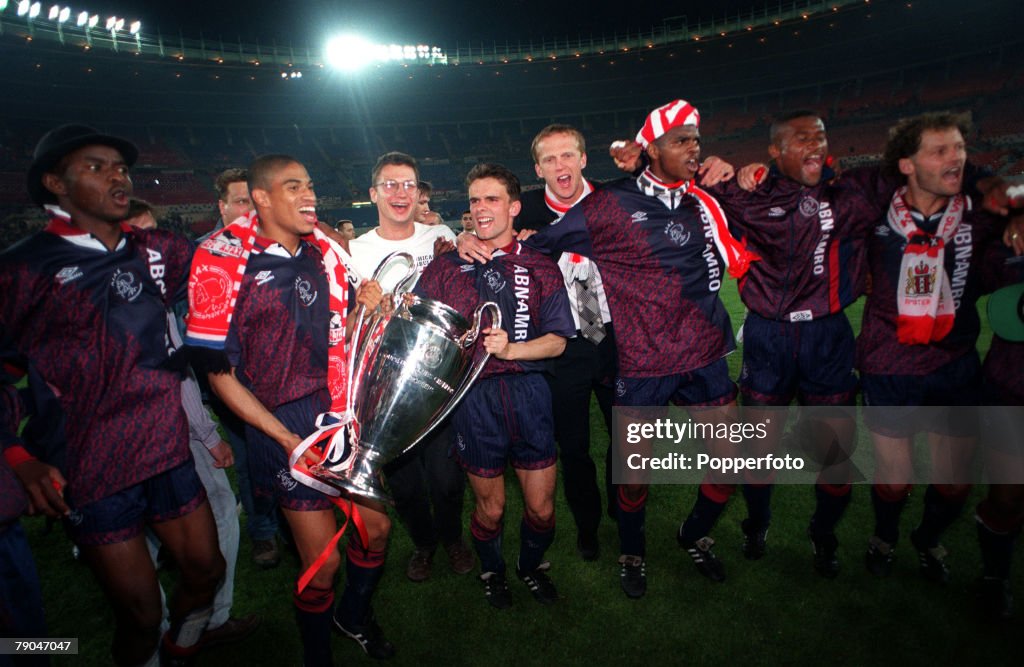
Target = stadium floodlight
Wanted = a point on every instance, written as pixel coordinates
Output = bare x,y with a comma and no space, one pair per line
3,5
94,20
54,11
64,15
119,25
23,7
135,28
348,52
110,22
83,17
34,10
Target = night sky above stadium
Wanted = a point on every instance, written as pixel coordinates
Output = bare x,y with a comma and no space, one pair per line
439,22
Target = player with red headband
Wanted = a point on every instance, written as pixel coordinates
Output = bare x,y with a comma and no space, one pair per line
663,248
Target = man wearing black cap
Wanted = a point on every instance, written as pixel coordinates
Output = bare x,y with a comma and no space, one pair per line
83,303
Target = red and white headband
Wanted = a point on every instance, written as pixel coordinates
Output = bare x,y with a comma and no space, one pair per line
664,118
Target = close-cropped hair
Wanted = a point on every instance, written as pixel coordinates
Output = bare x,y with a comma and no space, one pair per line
226,178
394,157
261,168
498,172
780,121
557,128
137,207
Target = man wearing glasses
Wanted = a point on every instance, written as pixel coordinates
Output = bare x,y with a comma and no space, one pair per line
426,477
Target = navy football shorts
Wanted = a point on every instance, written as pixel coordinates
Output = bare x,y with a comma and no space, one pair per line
268,463
505,419
812,361
955,384
120,517
709,386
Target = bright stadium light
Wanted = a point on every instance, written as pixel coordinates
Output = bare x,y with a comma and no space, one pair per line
83,17
64,15
54,11
348,52
119,25
34,10
136,27
94,20
110,22
23,7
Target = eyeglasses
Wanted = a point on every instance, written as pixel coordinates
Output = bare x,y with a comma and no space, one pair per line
391,187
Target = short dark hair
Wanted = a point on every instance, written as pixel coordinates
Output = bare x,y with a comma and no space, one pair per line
339,223
137,207
425,187
394,157
226,178
780,121
497,172
262,167
905,136
466,212
557,128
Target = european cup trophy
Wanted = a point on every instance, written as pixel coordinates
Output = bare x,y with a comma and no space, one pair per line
408,368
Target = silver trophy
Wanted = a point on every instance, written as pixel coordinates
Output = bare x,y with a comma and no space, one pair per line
408,369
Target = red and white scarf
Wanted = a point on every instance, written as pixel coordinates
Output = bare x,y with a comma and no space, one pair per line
924,299
216,277
733,252
214,281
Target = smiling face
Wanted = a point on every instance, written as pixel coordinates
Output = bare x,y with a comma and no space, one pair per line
675,156
799,149
493,211
92,184
287,205
399,207
560,162
936,170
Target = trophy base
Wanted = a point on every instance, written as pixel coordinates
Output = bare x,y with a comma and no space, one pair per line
361,484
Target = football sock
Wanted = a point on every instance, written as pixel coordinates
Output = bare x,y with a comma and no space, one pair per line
487,543
632,518
534,540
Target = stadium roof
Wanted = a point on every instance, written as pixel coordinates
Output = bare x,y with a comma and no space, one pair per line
445,22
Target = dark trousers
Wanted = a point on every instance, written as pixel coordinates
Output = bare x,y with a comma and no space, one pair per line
427,477
583,368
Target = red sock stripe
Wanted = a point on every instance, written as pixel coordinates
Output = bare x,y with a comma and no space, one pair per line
954,492
719,493
482,532
1001,522
628,505
893,493
537,527
314,600
363,557
835,489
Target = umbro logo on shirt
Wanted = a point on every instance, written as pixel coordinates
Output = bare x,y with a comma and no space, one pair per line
264,277
776,212
882,230
639,216
67,274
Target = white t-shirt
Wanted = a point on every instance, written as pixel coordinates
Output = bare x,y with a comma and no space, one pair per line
370,249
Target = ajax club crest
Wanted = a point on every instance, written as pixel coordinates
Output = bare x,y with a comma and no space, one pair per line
920,279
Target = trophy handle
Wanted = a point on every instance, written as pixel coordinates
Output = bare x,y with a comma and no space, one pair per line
354,355
471,336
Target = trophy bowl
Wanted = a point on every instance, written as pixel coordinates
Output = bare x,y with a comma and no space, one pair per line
410,367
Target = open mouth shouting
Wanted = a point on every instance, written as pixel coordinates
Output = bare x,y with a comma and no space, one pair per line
308,214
